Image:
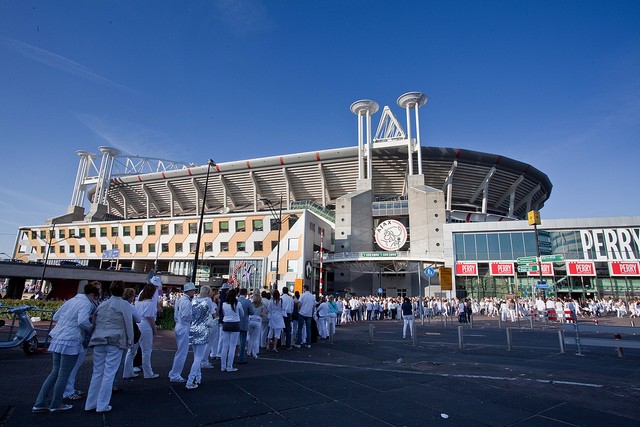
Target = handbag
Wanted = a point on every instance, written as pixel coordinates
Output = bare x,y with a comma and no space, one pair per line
136,333
231,326
212,323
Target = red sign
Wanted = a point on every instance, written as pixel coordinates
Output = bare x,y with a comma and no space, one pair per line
501,268
624,268
547,270
581,268
466,269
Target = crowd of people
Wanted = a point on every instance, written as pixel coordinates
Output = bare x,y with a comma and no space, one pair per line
232,325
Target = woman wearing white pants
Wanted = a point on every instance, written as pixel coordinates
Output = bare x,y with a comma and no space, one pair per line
255,326
407,316
231,313
147,309
112,335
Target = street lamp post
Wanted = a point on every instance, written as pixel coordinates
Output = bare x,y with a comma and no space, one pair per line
279,217
204,199
46,255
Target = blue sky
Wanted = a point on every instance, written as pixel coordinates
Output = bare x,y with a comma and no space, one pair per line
551,83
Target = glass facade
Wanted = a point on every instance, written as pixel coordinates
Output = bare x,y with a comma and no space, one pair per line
597,245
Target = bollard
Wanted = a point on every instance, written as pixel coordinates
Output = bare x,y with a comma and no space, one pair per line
531,321
331,334
561,338
471,320
633,324
414,336
508,339
370,334
499,322
460,337
445,321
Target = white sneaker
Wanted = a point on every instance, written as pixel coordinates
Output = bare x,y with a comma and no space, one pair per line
177,380
232,369
191,386
136,370
206,365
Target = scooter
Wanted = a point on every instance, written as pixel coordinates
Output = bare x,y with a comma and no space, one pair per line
26,335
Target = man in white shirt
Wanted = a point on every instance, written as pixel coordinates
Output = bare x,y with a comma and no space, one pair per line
182,316
305,313
287,308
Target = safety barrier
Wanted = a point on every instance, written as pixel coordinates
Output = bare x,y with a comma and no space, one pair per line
602,337
552,316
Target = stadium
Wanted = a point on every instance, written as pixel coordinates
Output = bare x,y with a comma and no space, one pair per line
317,217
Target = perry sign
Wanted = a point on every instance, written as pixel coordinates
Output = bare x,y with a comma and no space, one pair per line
624,268
581,268
391,235
466,269
501,268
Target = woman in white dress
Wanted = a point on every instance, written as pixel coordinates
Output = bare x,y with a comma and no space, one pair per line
276,320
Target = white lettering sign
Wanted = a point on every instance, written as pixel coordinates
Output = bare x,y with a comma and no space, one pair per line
610,244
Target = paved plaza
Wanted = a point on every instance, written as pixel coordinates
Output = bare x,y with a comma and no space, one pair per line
390,381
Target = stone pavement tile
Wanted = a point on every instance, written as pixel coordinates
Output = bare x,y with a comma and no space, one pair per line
531,402
539,421
585,416
377,380
331,414
330,385
280,392
398,411
270,420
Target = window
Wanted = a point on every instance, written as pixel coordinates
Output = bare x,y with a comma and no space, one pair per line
224,246
274,244
34,234
208,246
92,248
138,230
52,250
274,224
312,227
164,247
43,234
272,266
126,230
291,265
241,246
151,230
51,234
103,248
81,248
152,247
127,248
72,249
103,231
82,233
177,229
72,233
61,249
208,227
114,231
42,249
223,227
257,246
138,247
257,225
192,248
241,225
164,229
293,244
178,247
60,234
193,228
292,220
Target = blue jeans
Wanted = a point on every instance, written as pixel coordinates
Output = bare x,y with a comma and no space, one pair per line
303,321
242,342
56,382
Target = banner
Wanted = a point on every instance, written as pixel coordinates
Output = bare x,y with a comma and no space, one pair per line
466,269
624,268
581,268
501,269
